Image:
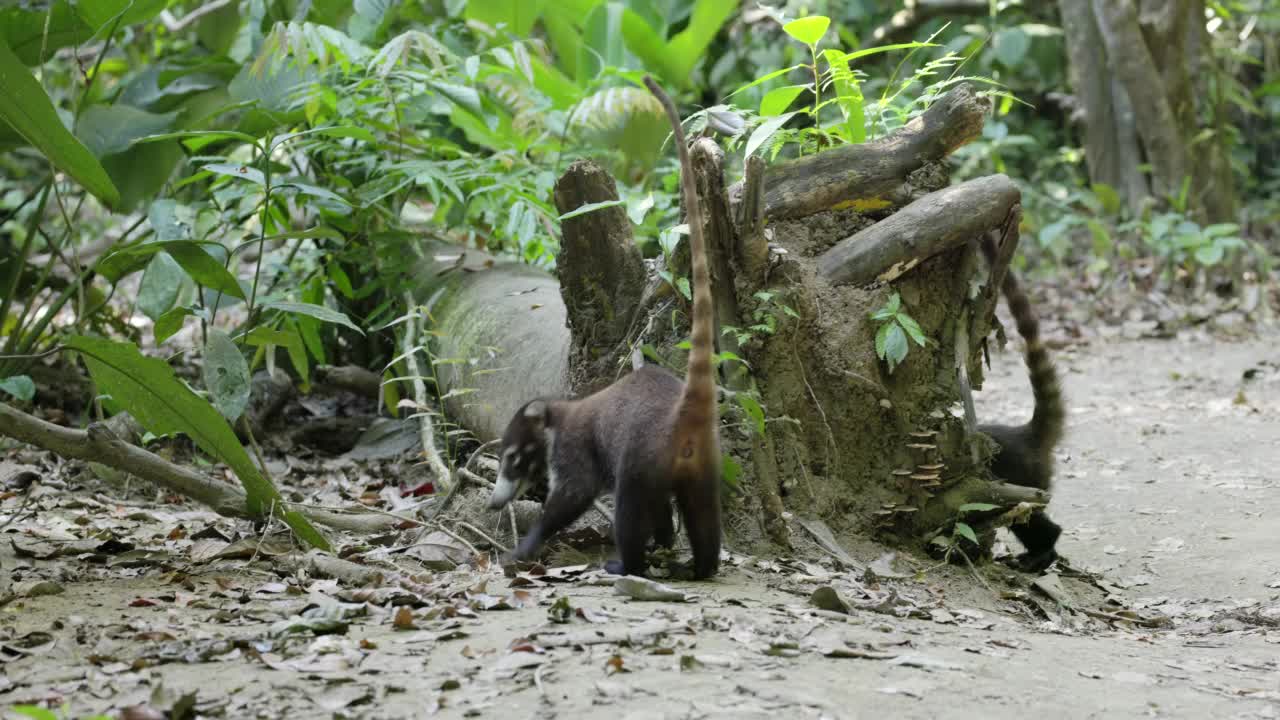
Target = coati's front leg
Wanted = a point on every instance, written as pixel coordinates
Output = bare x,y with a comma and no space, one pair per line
564,505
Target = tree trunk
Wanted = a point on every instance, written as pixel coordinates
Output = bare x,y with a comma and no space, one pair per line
842,439
1142,105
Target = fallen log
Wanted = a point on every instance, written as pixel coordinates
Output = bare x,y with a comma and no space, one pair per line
935,223
875,175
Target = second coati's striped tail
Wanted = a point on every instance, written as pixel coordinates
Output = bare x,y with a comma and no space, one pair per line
1049,418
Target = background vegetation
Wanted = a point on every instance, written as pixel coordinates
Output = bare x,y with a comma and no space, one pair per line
253,179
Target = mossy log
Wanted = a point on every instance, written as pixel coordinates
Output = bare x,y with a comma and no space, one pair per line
844,439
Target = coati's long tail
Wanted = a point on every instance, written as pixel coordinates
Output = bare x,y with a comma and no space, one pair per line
1049,418
697,408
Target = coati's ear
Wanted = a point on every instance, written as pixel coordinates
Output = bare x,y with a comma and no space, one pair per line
536,412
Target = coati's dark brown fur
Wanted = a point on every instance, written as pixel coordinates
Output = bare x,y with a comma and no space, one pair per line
648,437
1025,454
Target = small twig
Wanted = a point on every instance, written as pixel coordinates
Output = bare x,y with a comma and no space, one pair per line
266,528
537,681
51,351
515,531
456,536
363,510
976,574
485,536
27,498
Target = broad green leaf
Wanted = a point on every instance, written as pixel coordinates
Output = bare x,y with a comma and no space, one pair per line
1102,243
977,507
516,16
913,328
966,532
315,191
690,45
808,30
147,388
895,303
170,323
730,471
170,221
1010,45
239,171
160,286
101,14
777,100
1107,197
199,264
1220,229
141,172
338,131
111,129
203,268
882,341
848,96
753,409
210,135
761,135
895,345
25,106
637,210
292,343
1211,254
318,312
603,41
149,391
590,207
19,386
226,375
35,34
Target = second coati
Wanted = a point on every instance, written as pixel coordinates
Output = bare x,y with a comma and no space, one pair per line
648,437
1025,454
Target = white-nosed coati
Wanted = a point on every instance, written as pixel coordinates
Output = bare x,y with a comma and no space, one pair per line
648,437
1025,454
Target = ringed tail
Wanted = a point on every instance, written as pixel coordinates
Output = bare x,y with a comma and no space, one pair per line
696,411
1048,419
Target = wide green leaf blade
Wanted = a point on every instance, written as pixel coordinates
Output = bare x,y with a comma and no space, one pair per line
318,312
149,391
202,267
808,30
147,388
226,375
25,106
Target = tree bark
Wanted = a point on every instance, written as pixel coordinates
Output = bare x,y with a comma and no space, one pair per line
602,275
1112,153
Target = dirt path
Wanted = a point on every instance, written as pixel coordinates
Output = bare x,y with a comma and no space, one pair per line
1168,486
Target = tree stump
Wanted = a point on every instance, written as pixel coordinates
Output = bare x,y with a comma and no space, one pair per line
802,254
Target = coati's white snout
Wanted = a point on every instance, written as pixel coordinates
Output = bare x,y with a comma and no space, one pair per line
504,491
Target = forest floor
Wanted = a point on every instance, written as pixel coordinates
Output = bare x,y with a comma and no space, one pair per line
1168,489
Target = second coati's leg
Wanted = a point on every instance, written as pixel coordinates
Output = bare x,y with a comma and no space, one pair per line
1039,534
